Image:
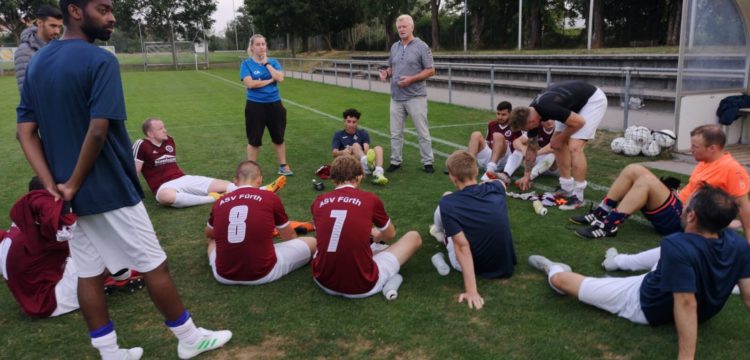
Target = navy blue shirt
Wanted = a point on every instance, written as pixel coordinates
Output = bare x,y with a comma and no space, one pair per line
68,83
265,94
342,139
481,212
693,264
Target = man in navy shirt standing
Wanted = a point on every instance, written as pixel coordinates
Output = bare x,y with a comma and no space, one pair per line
77,106
690,284
473,225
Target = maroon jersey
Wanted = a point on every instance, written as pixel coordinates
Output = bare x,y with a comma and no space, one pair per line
495,127
243,223
544,137
36,260
343,222
159,162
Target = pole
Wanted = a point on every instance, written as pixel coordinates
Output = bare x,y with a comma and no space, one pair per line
143,48
236,41
591,22
466,10
520,22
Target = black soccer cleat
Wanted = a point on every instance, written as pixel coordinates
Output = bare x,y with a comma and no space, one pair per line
129,285
586,219
597,230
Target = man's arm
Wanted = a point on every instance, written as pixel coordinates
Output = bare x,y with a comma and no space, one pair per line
686,322
384,73
92,146
26,133
463,255
532,149
744,205
209,232
386,235
138,166
573,123
405,81
744,285
287,233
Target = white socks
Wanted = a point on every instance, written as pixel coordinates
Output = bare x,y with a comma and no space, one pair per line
182,200
187,332
514,161
554,269
578,188
491,166
567,185
378,171
645,260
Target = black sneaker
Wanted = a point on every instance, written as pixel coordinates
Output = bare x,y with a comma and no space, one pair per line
585,219
429,169
392,167
597,230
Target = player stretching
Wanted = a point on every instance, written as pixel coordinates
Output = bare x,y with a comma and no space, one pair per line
344,264
241,249
156,158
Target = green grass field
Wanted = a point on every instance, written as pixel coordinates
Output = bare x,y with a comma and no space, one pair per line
292,318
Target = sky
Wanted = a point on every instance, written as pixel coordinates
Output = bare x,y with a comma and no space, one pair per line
224,14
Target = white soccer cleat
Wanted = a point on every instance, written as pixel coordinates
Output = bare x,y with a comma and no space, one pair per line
125,354
609,263
437,234
736,290
209,340
438,261
543,264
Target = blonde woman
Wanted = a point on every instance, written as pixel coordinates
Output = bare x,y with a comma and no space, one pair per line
263,108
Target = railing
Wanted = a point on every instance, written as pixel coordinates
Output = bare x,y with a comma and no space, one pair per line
306,68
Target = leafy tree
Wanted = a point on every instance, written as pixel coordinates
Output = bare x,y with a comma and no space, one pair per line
282,17
183,17
435,20
332,16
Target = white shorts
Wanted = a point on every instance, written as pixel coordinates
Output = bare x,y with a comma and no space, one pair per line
452,253
620,296
117,239
592,113
4,249
388,266
290,255
484,157
191,184
66,290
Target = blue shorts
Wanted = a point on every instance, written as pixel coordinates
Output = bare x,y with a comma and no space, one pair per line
666,218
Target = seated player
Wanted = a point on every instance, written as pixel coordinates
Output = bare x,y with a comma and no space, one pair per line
473,225
35,258
240,231
492,151
355,141
344,263
636,188
691,283
156,159
545,158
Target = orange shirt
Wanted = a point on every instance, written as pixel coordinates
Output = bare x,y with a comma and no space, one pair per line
725,173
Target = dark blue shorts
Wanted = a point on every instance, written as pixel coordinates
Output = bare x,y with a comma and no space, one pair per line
666,218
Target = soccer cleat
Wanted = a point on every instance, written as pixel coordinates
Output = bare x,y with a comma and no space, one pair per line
125,354
437,234
277,184
215,195
285,170
429,169
128,285
543,264
585,219
378,247
371,159
302,228
597,230
572,203
438,261
393,167
379,179
609,263
209,340
488,175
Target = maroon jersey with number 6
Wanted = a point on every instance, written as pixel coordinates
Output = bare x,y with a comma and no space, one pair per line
343,222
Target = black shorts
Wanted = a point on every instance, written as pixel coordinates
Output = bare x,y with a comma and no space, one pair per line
258,116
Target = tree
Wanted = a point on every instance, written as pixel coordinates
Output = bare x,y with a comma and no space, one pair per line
674,13
282,17
435,16
12,13
332,16
387,11
534,23
183,17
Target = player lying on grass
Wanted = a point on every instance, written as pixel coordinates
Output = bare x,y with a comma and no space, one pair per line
690,284
473,225
355,141
493,150
240,229
636,188
344,263
545,157
156,158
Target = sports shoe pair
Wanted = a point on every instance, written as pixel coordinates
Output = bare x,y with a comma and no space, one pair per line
209,340
597,228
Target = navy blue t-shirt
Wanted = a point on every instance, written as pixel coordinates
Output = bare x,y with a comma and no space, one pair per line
265,94
693,264
68,83
342,139
481,212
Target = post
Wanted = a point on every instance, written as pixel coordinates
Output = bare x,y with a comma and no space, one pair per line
236,41
466,10
351,74
590,22
369,79
549,75
626,99
520,22
450,84
323,71
143,47
492,86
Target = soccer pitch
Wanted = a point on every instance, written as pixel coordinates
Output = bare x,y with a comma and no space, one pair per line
292,318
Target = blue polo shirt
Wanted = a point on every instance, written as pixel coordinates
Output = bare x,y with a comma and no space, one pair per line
481,212
342,139
266,94
690,263
68,83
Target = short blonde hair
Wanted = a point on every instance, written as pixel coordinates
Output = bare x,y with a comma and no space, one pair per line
462,165
345,169
251,41
519,117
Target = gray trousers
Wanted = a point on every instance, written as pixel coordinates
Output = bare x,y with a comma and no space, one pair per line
415,107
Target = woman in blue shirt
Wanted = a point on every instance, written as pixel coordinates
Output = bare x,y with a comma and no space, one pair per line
263,108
